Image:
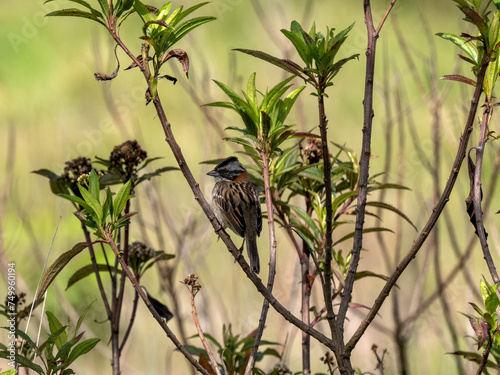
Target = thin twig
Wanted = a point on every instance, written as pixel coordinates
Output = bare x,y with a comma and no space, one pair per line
109,240
100,285
193,286
131,322
364,160
462,148
272,263
484,359
478,213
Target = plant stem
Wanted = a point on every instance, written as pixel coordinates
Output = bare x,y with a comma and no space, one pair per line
131,322
327,175
478,196
272,263
198,195
344,355
109,240
305,307
205,206
213,362
96,270
484,358
436,212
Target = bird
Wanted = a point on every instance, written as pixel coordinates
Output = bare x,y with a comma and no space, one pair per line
236,205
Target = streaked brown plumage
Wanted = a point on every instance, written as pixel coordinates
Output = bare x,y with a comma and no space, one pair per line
236,205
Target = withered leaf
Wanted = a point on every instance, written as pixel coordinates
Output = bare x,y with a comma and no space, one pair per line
180,55
104,77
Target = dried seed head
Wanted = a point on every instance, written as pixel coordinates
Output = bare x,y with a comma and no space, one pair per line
75,168
141,252
127,157
313,152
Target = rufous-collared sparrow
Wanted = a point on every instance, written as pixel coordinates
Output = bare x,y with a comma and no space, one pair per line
236,205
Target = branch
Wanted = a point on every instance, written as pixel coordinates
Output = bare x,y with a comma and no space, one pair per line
478,194
109,240
205,206
484,359
131,322
364,162
193,286
436,212
272,263
96,271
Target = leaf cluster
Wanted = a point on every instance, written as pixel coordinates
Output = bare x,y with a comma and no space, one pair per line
481,48
486,326
292,176
118,12
94,213
265,129
163,29
317,51
59,351
234,351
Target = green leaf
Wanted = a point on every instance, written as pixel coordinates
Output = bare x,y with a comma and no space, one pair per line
239,103
93,202
187,12
238,140
32,344
476,307
273,95
284,64
308,220
73,12
475,357
497,4
251,91
363,274
393,209
484,288
78,200
121,198
63,352
341,199
82,316
58,185
86,271
57,267
305,235
104,6
9,372
94,187
297,39
477,20
143,11
492,302
148,161
86,5
23,361
221,105
367,230
49,344
81,349
491,77
466,46
56,326
108,204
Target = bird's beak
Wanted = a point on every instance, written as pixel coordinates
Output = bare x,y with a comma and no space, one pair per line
213,173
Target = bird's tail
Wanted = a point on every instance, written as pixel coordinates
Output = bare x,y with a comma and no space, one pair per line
253,254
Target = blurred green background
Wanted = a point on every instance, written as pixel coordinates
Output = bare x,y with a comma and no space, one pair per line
52,110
